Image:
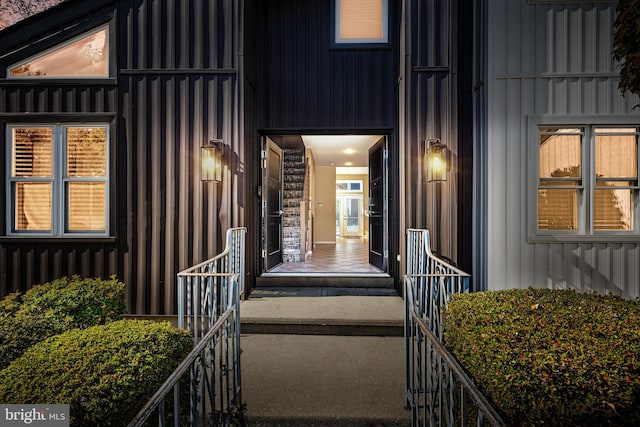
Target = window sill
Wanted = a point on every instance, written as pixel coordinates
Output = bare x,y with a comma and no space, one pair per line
57,239
595,238
337,47
110,81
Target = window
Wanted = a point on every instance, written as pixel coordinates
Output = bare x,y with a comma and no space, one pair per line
58,180
361,21
587,180
349,186
85,56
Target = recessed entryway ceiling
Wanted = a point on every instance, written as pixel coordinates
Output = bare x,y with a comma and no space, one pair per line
340,150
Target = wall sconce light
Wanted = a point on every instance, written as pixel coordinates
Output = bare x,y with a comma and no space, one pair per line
211,161
437,160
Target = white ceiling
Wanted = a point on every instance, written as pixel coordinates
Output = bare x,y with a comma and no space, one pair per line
339,150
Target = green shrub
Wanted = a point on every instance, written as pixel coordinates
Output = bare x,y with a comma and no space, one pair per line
52,308
550,357
105,373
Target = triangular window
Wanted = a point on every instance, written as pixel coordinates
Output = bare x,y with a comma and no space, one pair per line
84,56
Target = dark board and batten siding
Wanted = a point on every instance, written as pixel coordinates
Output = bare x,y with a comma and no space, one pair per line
430,110
180,81
305,83
176,87
26,262
179,86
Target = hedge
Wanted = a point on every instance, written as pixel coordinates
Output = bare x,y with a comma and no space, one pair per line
52,308
550,357
106,373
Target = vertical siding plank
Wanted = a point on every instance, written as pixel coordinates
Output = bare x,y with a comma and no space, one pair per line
556,266
513,186
155,193
602,274
183,210
170,179
617,285
15,267
4,286
497,160
632,264
127,263
571,273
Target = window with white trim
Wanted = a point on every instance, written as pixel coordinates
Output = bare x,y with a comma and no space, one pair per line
349,185
361,22
58,180
587,180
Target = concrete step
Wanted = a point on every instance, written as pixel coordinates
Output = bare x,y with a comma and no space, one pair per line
323,311
327,280
320,380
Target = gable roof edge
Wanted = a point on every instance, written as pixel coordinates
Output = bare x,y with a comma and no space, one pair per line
62,17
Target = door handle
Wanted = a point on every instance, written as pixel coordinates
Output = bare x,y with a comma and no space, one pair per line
280,212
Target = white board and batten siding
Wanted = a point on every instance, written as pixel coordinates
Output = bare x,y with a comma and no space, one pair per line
545,59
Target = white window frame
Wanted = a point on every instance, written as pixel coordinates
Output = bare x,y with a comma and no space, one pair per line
59,182
349,182
585,231
340,42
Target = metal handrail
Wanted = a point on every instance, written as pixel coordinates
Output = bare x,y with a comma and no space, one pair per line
208,307
435,280
201,287
171,384
214,361
438,390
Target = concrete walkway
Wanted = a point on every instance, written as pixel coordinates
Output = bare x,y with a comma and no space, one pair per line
324,379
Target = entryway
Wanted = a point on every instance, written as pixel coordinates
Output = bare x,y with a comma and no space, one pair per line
324,208
346,256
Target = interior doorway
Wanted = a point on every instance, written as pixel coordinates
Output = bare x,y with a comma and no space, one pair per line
322,201
349,216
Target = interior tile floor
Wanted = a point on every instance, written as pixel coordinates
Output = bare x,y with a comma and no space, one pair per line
347,255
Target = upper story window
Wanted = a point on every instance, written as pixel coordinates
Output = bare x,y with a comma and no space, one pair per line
361,22
587,180
86,56
58,180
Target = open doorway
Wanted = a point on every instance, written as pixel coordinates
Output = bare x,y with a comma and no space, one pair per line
324,208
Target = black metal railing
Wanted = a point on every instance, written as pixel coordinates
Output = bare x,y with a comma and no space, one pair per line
438,390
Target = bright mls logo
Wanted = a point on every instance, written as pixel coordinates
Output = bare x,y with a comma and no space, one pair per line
36,415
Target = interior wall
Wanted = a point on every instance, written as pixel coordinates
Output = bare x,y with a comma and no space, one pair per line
325,204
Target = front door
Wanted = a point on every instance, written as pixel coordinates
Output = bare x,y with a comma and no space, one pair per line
377,204
272,204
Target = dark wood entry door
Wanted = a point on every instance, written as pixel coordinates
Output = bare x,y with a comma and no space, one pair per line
377,204
272,205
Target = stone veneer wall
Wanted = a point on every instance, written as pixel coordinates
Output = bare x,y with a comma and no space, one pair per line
294,172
